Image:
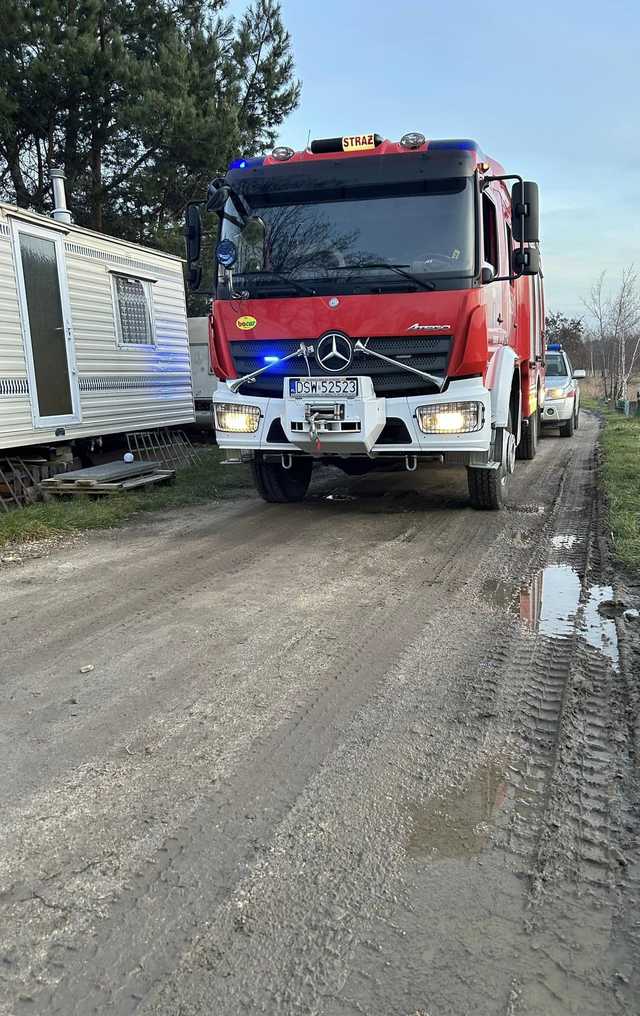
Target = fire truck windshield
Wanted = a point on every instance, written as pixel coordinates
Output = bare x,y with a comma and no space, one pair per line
322,238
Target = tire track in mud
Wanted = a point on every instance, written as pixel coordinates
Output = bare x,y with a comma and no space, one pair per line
173,898
573,739
565,757
145,921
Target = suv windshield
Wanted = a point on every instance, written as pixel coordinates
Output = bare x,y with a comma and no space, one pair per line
556,365
424,228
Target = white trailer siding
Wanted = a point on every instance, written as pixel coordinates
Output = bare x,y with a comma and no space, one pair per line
122,387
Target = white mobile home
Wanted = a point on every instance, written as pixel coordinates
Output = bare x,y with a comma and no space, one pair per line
93,334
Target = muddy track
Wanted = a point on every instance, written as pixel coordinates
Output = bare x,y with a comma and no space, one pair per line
320,768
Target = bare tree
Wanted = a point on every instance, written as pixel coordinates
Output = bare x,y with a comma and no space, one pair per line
617,330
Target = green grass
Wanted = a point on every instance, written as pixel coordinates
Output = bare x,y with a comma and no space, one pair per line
620,442
206,481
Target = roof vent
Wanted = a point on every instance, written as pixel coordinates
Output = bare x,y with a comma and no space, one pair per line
60,211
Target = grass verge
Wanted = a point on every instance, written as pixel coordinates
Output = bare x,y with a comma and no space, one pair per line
207,480
620,442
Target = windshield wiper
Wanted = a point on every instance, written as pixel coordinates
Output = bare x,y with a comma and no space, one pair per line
283,278
398,269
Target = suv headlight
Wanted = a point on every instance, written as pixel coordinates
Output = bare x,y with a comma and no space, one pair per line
236,419
450,418
556,393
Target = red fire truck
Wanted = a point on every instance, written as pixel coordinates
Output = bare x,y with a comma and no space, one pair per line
375,302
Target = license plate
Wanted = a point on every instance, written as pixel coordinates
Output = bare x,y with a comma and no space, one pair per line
331,387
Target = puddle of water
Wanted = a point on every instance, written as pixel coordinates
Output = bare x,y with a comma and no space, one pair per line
564,541
550,604
459,824
560,596
600,630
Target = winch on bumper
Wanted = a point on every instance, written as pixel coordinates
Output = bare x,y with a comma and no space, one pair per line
458,422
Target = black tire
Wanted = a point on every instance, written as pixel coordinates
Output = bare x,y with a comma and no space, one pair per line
576,419
487,487
529,440
567,428
278,485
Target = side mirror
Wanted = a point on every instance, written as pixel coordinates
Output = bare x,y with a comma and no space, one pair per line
527,261
217,195
525,212
579,373
192,232
487,273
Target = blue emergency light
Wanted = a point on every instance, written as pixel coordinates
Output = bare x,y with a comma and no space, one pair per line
246,163
461,144
556,347
270,359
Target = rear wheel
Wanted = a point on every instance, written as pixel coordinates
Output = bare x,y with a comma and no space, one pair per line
278,485
487,487
529,441
567,428
576,422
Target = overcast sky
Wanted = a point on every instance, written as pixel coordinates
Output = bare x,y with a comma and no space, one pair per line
550,88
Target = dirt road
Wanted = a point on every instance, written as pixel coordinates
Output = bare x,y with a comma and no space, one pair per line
370,754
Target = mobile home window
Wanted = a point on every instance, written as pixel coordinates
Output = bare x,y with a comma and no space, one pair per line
133,306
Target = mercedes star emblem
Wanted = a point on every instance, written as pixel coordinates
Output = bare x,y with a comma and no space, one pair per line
334,352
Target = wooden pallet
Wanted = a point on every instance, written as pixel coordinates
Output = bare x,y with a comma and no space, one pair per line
108,478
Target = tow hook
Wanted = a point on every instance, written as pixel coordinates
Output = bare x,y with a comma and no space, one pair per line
286,460
411,463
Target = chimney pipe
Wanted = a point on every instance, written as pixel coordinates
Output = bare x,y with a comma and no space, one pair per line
60,212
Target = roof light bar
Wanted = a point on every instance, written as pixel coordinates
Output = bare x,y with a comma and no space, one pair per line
461,144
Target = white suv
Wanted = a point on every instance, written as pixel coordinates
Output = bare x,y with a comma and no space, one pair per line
562,392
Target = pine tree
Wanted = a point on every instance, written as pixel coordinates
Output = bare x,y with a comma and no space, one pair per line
140,101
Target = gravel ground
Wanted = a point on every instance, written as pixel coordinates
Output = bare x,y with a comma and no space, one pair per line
370,754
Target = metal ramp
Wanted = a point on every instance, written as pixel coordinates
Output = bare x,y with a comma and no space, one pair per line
17,484
171,447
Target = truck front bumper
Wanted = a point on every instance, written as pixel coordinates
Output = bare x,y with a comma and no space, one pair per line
276,430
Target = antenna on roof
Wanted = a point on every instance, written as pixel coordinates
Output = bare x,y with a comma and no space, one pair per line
308,138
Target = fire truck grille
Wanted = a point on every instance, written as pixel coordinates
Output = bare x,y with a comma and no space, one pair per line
430,354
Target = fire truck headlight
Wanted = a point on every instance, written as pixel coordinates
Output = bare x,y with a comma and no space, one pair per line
451,418
237,419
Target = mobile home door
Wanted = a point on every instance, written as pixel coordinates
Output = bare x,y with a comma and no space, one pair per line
46,324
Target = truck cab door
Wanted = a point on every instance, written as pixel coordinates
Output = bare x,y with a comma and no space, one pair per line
509,296
493,254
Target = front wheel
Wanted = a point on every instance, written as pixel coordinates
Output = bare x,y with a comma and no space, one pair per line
576,422
488,486
567,428
278,485
529,441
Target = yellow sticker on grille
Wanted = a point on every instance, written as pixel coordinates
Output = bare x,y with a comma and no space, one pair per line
358,142
246,323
